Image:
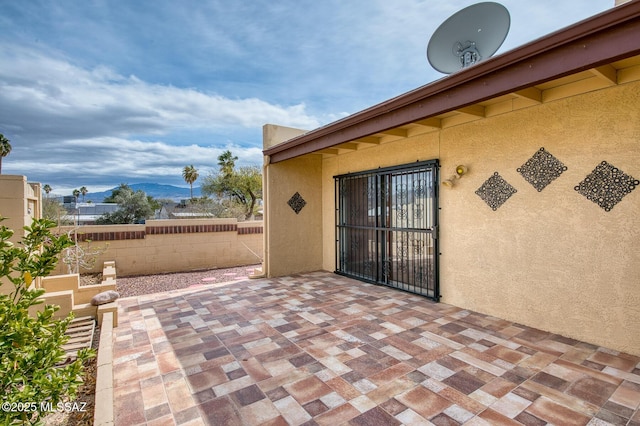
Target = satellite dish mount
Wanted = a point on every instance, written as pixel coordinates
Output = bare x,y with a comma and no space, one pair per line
468,36
467,53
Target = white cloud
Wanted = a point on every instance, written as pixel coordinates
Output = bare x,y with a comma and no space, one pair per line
106,162
86,124
53,89
104,92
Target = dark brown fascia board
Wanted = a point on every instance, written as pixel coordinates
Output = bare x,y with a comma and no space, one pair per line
601,39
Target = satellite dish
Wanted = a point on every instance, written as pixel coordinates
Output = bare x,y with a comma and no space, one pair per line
468,36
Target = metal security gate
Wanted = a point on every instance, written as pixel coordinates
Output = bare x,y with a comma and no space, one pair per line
387,225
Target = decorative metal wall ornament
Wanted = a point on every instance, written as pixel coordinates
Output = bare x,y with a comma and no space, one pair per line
607,185
495,191
541,169
296,202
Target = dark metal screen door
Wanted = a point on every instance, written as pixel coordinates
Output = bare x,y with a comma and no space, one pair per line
386,227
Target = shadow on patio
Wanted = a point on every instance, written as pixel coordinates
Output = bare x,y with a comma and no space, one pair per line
323,349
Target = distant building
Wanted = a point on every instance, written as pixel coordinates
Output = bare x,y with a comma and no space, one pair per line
87,213
182,210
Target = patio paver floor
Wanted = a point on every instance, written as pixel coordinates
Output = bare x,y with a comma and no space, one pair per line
321,349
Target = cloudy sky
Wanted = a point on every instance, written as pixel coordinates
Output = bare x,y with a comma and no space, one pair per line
100,92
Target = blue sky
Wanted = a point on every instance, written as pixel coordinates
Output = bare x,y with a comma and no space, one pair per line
99,92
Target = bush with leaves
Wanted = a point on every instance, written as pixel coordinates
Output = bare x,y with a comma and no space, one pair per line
31,345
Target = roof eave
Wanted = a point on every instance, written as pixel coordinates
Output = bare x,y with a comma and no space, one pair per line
601,39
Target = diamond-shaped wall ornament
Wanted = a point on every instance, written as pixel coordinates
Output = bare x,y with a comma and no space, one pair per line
495,191
541,169
296,202
607,185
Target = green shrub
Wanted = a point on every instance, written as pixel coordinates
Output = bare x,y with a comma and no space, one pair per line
31,346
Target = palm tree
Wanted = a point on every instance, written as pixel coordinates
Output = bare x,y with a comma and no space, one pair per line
5,149
227,161
190,174
47,189
76,194
84,191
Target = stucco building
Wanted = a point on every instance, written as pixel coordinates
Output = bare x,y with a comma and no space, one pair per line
540,226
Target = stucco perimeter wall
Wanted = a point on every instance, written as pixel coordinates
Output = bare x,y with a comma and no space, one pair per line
174,245
19,205
551,259
293,242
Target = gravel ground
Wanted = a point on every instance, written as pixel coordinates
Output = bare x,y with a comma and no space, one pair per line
147,284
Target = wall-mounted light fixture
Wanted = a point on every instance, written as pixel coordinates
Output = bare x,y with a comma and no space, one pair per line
461,170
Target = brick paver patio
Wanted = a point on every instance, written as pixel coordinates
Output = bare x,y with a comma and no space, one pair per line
323,349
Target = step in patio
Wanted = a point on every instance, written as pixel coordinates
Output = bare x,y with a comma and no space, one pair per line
80,332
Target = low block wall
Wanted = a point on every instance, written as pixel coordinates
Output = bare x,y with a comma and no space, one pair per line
160,246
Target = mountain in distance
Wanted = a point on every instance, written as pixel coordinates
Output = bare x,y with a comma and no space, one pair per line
156,190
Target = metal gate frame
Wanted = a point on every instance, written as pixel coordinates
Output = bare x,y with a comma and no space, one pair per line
387,227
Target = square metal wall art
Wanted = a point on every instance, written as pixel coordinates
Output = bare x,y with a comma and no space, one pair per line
541,169
296,202
495,191
607,185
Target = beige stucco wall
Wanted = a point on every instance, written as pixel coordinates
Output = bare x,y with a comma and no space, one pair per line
549,259
175,252
273,134
293,242
552,259
20,203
